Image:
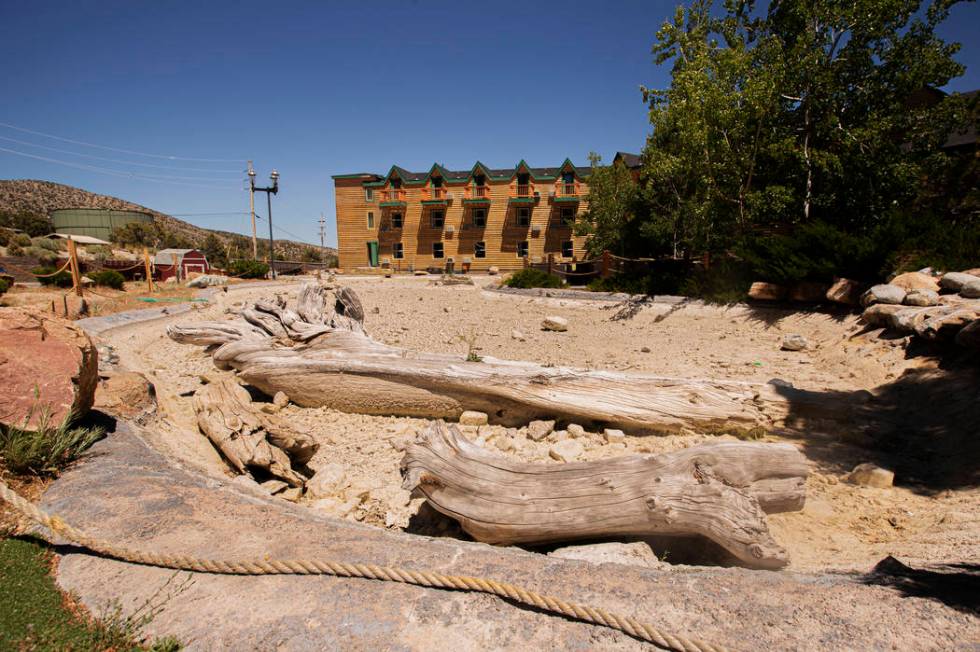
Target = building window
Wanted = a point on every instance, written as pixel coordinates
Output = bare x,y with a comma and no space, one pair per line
437,219
523,217
522,249
397,250
370,219
396,220
480,250
437,251
567,215
479,217
369,194
567,249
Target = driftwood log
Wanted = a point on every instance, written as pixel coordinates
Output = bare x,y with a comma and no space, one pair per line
248,439
719,491
319,355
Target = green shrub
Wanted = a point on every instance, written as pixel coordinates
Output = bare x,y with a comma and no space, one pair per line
108,278
22,239
14,249
44,256
248,269
48,243
4,285
62,279
47,449
6,235
533,278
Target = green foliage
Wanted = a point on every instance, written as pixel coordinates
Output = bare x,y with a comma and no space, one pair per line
149,234
6,235
4,285
214,250
43,255
14,249
248,269
22,239
50,244
108,278
31,223
34,614
47,449
533,278
612,208
62,279
101,253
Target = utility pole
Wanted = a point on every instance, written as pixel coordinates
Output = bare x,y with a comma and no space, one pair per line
251,209
269,192
323,250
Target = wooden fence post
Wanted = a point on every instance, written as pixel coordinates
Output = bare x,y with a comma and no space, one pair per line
76,273
551,263
149,273
605,264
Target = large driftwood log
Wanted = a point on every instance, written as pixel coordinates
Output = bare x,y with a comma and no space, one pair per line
719,491
248,439
320,356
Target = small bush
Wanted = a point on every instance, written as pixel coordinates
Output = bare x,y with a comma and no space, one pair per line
533,278
248,269
108,278
62,279
4,285
6,235
49,244
22,239
14,249
46,450
44,256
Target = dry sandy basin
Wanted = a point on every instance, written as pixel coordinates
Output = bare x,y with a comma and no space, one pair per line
843,526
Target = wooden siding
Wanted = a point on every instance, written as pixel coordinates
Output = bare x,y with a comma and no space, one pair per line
501,233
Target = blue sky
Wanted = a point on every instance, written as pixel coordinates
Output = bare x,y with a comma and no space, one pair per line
316,89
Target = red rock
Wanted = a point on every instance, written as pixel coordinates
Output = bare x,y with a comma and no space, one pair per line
46,364
809,292
845,291
125,394
915,281
767,291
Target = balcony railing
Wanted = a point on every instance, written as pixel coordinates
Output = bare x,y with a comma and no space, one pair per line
522,191
434,194
393,195
477,193
568,189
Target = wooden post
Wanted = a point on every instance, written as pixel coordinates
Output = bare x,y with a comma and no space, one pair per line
76,275
149,274
551,263
605,264
64,300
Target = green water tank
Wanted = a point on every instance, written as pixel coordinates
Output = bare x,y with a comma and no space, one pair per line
95,222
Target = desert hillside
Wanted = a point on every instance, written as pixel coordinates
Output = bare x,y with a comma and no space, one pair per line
42,197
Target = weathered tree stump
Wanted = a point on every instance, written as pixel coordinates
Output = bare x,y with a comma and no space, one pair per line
718,491
320,356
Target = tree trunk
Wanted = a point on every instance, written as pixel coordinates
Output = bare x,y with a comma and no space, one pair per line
323,359
719,491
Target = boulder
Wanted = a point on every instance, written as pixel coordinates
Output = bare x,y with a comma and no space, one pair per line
794,342
493,270
207,280
907,320
878,314
538,430
126,394
971,289
761,291
915,281
47,364
921,297
972,272
844,291
473,418
871,475
328,481
614,436
956,280
566,450
969,335
280,400
945,324
809,292
883,293
553,323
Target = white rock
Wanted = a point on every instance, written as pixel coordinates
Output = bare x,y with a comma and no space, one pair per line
330,480
631,554
554,323
956,280
280,400
493,270
614,436
872,476
517,335
538,430
794,342
971,289
473,418
207,280
575,430
883,293
922,298
566,451
504,443
335,506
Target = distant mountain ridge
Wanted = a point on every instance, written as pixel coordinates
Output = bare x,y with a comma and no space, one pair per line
42,197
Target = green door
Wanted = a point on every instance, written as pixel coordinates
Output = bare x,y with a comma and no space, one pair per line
373,253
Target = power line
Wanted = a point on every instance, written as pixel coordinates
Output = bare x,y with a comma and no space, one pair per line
117,173
112,160
199,214
121,151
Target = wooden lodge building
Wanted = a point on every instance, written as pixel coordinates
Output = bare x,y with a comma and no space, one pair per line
462,220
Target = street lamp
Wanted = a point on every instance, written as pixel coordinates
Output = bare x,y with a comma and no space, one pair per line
269,192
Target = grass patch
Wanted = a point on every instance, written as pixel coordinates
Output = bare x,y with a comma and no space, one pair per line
35,615
533,278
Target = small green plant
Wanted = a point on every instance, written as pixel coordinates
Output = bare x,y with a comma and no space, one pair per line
248,269
108,278
471,347
47,276
46,449
533,278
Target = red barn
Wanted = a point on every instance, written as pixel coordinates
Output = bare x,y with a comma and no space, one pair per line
179,262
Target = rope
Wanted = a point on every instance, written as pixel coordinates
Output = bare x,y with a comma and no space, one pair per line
594,615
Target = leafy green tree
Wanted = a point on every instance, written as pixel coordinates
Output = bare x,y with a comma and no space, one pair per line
612,208
31,223
214,250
